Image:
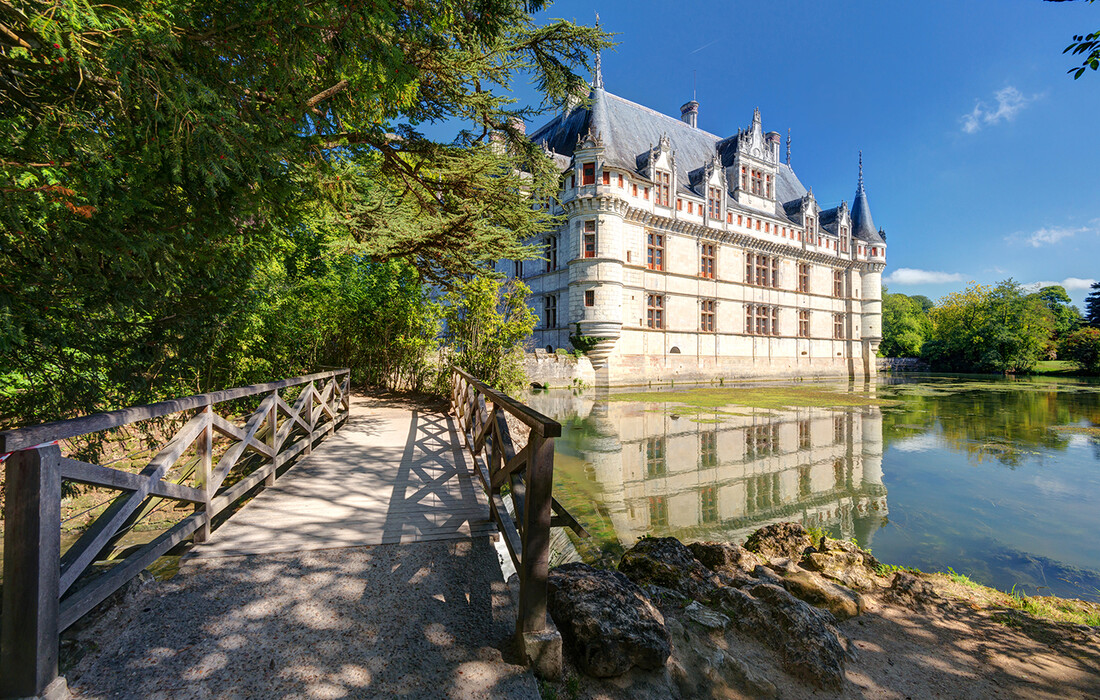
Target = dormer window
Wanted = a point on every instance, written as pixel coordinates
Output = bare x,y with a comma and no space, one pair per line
714,203
758,183
768,189
588,174
664,186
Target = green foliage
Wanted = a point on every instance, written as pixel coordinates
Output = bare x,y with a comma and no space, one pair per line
989,329
905,326
1092,306
1087,46
1083,348
583,343
1066,318
194,194
487,322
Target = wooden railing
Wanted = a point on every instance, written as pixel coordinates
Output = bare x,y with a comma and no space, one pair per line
41,596
528,475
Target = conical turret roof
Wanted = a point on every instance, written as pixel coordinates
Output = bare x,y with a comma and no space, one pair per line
863,226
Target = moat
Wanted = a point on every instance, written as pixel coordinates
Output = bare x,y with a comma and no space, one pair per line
998,479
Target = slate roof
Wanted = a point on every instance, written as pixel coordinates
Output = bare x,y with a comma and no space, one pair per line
629,131
863,227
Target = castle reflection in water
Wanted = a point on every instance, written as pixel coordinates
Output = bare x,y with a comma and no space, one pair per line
714,476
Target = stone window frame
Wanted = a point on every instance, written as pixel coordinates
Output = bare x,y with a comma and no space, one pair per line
762,270
589,236
714,203
655,311
606,177
804,277
708,312
656,457
588,174
761,320
708,448
803,323
551,253
662,195
550,311
589,298
708,260
708,503
838,284
655,251
838,327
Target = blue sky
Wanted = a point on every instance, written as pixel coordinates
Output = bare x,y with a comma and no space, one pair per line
980,153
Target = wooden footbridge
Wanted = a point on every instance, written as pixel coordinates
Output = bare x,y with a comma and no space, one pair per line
316,470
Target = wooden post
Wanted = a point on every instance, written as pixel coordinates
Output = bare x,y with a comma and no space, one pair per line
32,573
536,534
204,473
272,434
308,408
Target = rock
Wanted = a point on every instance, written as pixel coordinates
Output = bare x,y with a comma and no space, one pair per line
733,560
743,676
841,601
912,591
804,635
779,540
843,561
606,621
666,562
705,617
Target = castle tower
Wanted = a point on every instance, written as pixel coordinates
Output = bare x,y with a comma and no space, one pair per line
864,231
595,241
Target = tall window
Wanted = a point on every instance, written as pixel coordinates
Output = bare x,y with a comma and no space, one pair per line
551,319
714,203
838,283
590,238
519,269
758,183
706,315
838,326
761,319
655,251
803,323
803,277
706,261
744,178
761,440
664,185
655,310
762,270
551,253
843,239
588,174
606,178
655,458
708,449
768,188
590,297
658,511
840,431
804,442
708,504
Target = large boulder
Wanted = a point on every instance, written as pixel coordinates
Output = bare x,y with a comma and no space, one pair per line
813,588
912,591
606,621
779,541
843,561
665,562
725,558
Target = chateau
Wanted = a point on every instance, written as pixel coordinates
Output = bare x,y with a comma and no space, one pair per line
694,256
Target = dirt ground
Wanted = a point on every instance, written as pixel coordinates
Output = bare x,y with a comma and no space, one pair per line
965,643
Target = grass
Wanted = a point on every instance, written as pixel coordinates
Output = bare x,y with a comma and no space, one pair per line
962,579
771,397
1061,609
1058,367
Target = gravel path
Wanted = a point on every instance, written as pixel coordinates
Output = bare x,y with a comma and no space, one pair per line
423,620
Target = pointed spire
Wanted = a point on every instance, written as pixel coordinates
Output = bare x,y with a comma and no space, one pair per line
788,146
597,81
863,227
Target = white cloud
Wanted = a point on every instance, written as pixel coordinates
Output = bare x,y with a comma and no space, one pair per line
917,443
1048,236
1009,102
1071,284
908,275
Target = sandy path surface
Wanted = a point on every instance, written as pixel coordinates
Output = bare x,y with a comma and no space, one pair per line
425,620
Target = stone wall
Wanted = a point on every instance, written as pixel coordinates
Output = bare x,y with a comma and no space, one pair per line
557,370
901,364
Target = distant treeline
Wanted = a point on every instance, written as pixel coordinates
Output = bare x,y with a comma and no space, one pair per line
998,328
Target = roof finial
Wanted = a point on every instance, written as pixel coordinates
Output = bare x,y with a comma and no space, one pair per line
788,146
597,82
860,187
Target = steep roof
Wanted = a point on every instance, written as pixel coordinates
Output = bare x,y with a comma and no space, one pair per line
629,131
863,227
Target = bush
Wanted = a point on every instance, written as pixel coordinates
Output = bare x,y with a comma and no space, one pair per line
1083,348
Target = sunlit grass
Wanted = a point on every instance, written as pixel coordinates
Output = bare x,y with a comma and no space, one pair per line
771,397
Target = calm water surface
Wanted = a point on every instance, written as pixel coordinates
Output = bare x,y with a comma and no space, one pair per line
996,479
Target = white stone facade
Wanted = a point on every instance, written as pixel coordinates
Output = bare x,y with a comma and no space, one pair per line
670,288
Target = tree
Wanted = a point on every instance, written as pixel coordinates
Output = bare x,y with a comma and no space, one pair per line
159,160
1092,306
1087,46
487,322
905,326
989,329
1083,347
1065,317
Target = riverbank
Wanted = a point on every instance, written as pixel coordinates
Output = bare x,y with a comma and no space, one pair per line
790,617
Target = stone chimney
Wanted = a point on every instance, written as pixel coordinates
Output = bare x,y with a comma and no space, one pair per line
519,125
774,142
689,114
